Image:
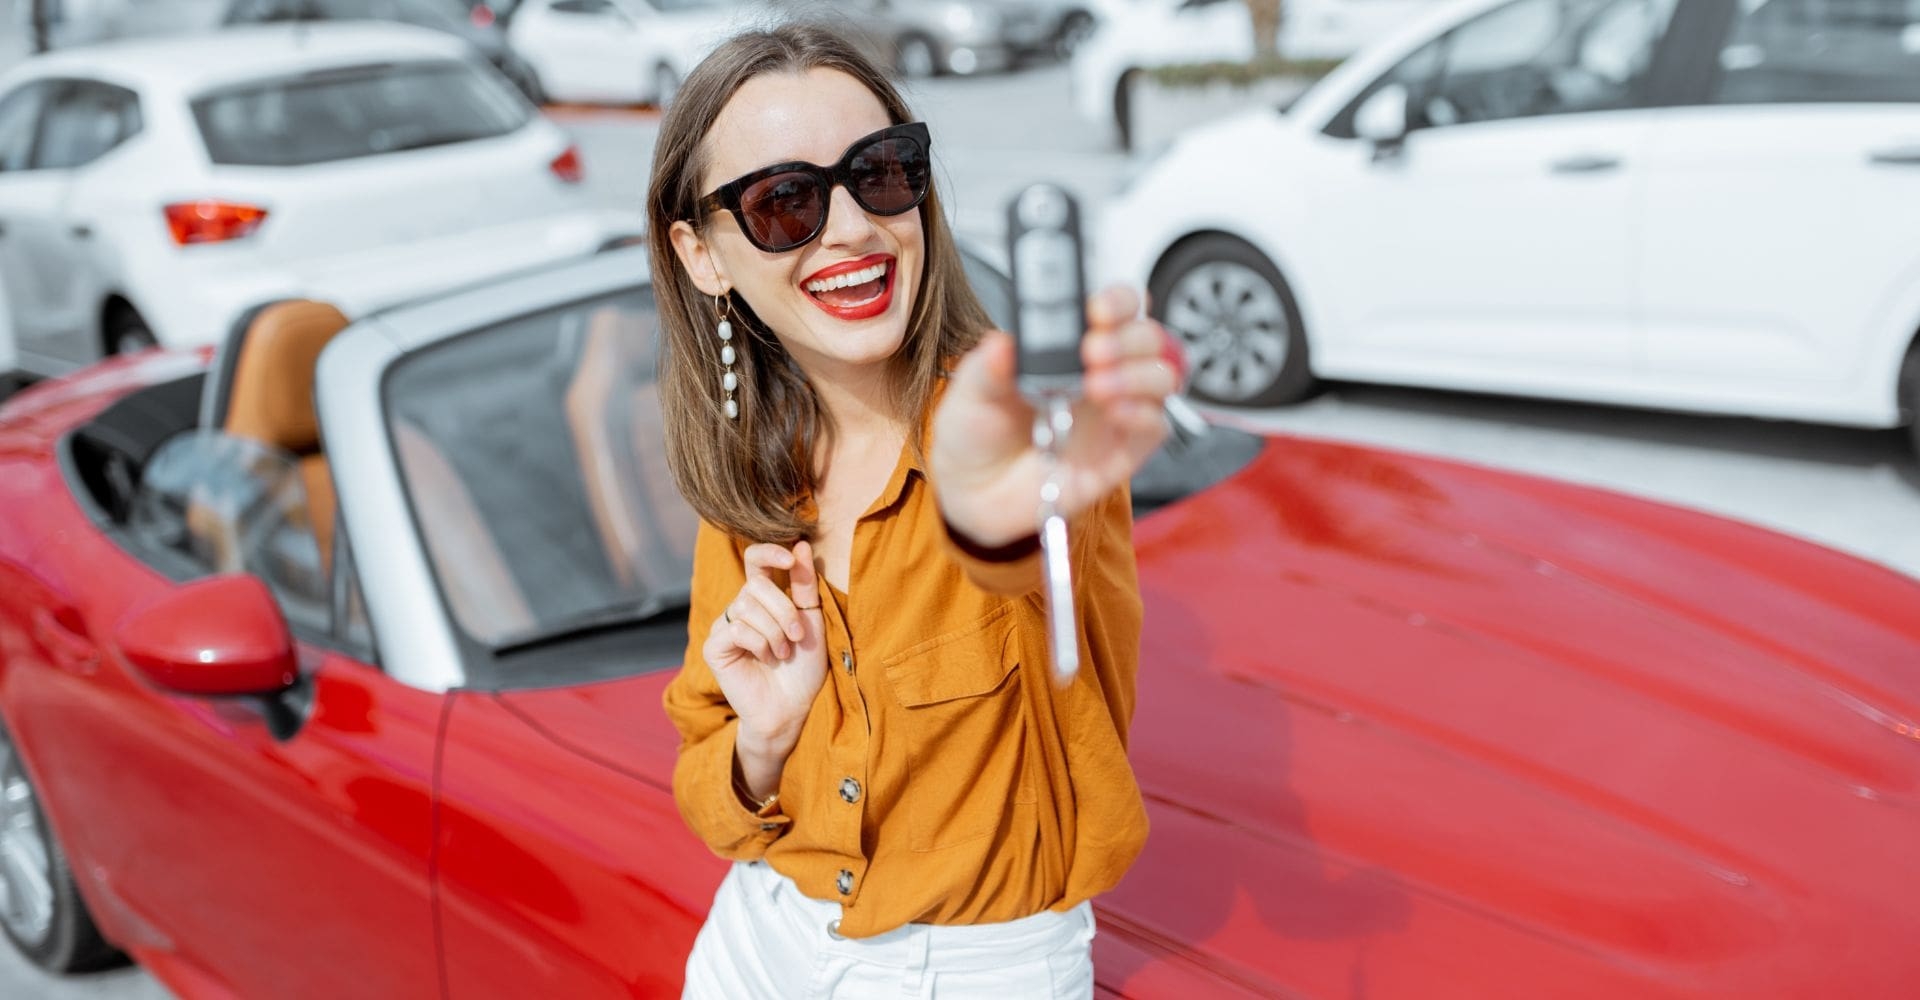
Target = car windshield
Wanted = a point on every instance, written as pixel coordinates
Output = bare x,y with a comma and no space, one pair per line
354,112
535,463
534,459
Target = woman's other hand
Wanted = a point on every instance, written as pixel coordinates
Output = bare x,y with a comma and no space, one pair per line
984,466
768,653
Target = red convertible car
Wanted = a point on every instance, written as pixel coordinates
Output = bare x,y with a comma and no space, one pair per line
381,719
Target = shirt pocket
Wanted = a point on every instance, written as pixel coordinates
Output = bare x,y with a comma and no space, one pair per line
965,725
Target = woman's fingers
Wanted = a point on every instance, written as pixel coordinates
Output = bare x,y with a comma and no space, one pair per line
763,600
804,582
754,629
764,559
1112,307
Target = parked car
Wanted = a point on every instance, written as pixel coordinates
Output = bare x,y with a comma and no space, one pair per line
475,24
1702,206
155,191
1141,35
618,51
344,679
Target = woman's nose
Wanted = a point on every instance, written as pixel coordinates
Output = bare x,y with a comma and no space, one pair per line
847,223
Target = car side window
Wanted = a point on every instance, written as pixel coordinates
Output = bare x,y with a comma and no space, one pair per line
1536,57
582,7
19,121
84,122
1814,51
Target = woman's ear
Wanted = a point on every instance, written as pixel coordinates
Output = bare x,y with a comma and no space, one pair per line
698,258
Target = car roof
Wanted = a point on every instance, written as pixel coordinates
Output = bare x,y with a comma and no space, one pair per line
194,63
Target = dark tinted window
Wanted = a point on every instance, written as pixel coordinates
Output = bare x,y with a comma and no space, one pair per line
1790,51
84,122
1530,58
19,117
361,112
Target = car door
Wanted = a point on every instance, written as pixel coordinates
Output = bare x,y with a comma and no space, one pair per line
24,289
1493,245
85,121
587,50
1780,274
274,846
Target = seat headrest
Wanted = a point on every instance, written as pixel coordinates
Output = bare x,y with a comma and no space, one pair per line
271,399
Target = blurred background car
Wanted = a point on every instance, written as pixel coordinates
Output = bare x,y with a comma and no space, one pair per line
475,24
1706,206
1134,36
155,191
617,51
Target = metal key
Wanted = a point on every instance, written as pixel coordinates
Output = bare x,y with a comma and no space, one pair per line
1051,423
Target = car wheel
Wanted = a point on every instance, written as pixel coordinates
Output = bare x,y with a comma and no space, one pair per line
1077,28
1123,109
126,332
40,907
916,58
1910,394
1237,320
666,85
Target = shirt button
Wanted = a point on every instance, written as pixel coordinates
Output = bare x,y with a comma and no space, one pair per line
846,659
850,789
845,882
833,930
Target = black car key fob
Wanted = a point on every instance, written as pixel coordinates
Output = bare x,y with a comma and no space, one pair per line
1049,289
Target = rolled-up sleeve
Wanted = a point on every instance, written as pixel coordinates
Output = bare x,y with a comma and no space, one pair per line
703,773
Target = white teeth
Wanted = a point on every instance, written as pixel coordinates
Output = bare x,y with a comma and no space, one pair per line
849,279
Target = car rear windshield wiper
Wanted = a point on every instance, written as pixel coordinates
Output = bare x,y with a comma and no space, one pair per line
658,608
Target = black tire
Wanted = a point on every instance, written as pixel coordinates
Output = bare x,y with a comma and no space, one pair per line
666,86
125,332
916,58
69,941
1075,29
1123,109
1909,395
1238,321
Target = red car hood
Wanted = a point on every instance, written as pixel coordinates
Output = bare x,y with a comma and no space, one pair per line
1413,729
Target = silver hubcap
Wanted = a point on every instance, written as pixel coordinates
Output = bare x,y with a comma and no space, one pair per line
26,880
1234,327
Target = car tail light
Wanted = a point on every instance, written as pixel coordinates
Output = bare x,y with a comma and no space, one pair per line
483,16
212,221
566,166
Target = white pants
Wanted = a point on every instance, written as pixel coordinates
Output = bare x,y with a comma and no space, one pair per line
765,939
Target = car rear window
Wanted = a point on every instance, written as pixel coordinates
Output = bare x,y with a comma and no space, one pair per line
354,112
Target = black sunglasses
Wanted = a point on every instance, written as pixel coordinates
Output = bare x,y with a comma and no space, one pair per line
785,206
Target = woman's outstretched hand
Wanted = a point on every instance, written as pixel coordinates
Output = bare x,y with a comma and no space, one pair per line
767,651
985,469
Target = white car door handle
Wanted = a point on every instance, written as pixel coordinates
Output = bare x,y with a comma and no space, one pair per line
1586,163
1896,156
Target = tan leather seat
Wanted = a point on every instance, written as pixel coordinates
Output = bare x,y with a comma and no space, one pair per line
271,397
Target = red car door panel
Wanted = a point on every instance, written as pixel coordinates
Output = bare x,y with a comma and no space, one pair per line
565,870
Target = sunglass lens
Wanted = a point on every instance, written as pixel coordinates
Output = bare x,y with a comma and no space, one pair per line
890,176
783,211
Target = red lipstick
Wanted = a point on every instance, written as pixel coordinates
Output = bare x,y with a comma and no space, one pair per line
865,310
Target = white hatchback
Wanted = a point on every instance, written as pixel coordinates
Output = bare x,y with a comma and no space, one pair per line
1706,205
157,191
618,51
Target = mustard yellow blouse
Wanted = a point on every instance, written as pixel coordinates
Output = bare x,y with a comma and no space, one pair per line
940,777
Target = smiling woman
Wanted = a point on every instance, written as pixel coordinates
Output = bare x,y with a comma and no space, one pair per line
848,427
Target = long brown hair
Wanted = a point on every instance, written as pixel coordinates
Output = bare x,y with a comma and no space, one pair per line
751,477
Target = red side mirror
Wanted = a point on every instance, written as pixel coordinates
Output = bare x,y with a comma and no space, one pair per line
223,635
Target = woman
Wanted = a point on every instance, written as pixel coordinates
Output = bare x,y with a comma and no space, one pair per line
868,726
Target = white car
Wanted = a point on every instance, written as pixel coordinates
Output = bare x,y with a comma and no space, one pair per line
1138,35
618,51
157,191
1707,206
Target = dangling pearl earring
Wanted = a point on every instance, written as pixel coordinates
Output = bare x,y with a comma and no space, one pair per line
728,381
